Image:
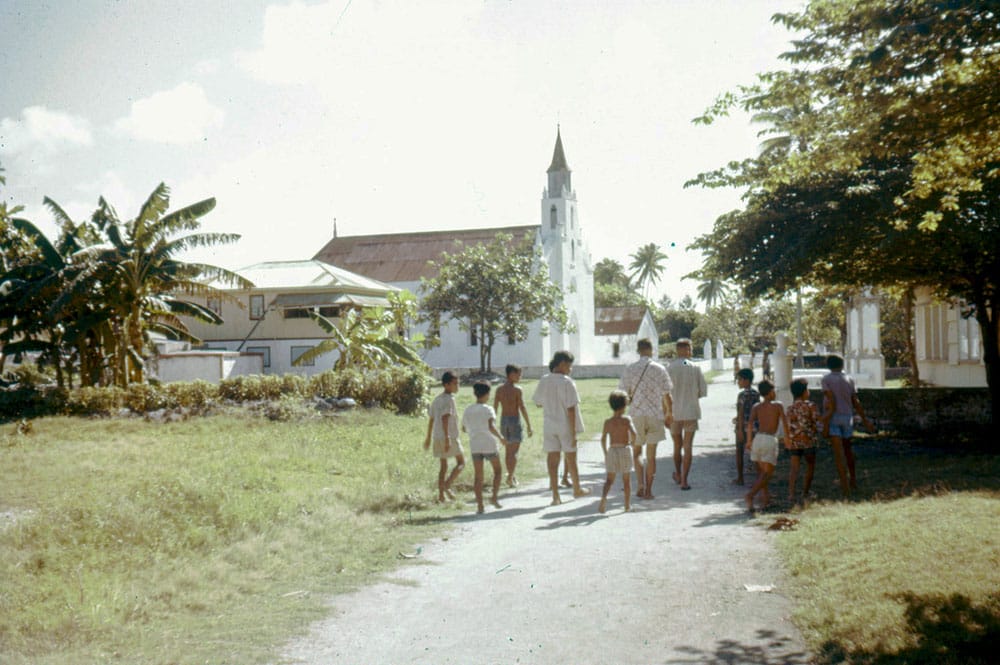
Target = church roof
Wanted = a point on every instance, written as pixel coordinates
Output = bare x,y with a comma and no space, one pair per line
618,320
404,257
558,156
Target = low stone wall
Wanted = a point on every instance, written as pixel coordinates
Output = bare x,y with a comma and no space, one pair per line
922,411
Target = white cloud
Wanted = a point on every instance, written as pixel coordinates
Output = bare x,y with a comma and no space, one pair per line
44,128
178,116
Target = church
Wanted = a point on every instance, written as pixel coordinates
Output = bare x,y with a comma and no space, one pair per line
401,259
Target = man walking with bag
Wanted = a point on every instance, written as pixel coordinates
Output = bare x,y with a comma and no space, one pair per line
648,386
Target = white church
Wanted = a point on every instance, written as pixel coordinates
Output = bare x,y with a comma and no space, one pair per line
401,259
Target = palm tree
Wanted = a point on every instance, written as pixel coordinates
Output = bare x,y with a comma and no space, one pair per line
712,291
144,287
363,338
646,267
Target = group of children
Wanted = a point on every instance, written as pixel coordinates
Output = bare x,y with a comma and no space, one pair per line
760,422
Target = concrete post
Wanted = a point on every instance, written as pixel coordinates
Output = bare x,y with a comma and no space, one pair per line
781,365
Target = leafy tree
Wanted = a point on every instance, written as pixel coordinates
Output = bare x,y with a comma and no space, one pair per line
366,338
497,288
647,265
895,178
612,287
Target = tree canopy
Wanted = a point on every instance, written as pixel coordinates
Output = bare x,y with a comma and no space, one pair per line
890,173
496,288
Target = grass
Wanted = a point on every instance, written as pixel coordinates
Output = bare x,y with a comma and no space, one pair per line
909,570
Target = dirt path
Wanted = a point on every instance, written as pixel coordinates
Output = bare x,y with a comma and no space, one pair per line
667,583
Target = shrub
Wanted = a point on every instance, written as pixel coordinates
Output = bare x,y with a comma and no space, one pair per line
143,398
287,407
94,400
195,395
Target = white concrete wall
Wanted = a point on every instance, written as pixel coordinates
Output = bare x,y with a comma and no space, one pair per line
206,366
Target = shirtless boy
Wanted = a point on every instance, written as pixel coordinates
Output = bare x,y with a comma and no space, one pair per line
510,402
763,446
616,442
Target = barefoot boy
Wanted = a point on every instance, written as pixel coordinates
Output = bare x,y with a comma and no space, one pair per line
840,403
763,446
556,394
511,402
443,427
803,430
747,397
616,442
479,420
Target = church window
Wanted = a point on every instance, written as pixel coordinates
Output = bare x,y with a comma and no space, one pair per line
553,217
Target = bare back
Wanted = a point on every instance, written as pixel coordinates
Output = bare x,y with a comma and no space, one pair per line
619,430
510,399
768,415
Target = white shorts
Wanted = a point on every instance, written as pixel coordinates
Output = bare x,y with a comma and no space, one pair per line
558,443
764,448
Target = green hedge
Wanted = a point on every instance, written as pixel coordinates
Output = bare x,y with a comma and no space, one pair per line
400,389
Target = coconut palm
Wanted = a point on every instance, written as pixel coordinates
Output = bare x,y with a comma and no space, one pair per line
647,266
712,291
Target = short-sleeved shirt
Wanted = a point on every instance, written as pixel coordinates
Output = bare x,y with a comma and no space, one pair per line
842,387
556,393
746,398
647,381
689,387
444,404
803,424
476,422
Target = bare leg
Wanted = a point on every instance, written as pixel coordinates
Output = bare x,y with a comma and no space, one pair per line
639,472
574,474
626,486
838,457
511,459
678,440
849,458
739,459
810,470
650,468
442,472
497,471
459,465
553,463
793,475
688,448
765,489
604,493
477,465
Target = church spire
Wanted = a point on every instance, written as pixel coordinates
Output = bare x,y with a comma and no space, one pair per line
558,156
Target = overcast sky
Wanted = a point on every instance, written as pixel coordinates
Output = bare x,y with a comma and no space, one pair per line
384,115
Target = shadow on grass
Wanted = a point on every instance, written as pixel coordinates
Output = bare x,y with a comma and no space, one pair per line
772,648
947,630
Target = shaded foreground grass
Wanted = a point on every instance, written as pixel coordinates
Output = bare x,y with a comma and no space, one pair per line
909,570
210,540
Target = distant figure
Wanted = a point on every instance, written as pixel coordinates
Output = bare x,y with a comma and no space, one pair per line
765,366
745,401
556,394
689,387
616,442
647,385
803,432
762,437
479,420
443,427
840,403
510,400
736,368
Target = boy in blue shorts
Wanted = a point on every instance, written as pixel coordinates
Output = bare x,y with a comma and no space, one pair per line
840,403
510,401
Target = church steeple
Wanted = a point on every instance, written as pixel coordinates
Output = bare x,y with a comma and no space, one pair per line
559,173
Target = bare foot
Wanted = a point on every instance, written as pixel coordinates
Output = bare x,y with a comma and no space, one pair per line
677,478
495,503
583,491
566,483
767,500
479,510
628,508
450,495
640,492
603,507
749,500
649,495
556,501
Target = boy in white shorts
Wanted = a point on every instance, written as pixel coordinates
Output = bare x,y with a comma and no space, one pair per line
763,446
620,433
556,394
479,420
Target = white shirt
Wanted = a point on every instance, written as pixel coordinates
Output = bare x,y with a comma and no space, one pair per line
556,393
689,387
476,421
647,389
444,404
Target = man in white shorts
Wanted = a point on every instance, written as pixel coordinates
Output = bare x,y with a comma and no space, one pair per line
689,387
556,394
648,385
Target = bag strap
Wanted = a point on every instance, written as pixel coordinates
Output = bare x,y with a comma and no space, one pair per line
636,387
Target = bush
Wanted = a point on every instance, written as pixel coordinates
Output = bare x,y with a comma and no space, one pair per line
143,398
194,395
95,400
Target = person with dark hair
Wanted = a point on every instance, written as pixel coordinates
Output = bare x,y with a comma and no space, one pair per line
616,441
745,400
510,401
562,422
647,385
479,421
762,440
442,427
840,403
803,431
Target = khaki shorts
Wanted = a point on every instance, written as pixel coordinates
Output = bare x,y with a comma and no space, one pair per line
679,427
618,460
558,443
649,429
454,451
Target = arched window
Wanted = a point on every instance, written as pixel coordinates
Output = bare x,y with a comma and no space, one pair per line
553,217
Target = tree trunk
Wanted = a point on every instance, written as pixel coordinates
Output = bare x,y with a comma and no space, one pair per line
990,333
911,342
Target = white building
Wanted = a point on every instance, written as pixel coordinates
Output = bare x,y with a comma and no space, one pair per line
948,343
401,259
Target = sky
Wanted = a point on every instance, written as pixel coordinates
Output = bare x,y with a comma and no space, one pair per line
382,115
